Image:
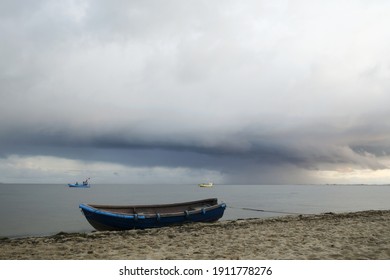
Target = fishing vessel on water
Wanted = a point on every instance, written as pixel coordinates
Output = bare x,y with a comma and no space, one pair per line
206,185
84,184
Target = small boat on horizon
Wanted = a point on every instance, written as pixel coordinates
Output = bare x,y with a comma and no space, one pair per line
85,184
117,217
206,185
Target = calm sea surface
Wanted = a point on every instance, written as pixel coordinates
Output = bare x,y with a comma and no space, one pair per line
32,209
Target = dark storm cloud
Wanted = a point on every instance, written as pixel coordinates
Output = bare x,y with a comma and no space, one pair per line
262,150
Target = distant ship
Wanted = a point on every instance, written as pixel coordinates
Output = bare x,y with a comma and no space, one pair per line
206,185
85,184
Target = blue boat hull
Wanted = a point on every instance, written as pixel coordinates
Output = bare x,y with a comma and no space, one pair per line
79,185
105,220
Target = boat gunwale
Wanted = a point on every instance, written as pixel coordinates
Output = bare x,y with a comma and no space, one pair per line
97,206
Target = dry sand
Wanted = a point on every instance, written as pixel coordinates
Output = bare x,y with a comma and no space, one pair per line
360,235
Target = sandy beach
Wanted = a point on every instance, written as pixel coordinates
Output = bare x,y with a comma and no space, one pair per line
344,236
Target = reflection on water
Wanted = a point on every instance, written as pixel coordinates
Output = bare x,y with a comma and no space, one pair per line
30,209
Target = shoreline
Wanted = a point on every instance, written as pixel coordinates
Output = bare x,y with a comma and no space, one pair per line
360,235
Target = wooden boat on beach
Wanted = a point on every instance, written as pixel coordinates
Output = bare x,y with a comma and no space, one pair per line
117,217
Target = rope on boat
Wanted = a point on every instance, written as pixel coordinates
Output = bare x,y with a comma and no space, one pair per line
268,211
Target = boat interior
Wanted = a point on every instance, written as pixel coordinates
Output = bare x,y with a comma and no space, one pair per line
158,208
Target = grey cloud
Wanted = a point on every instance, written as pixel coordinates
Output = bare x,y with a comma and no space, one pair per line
243,88
192,151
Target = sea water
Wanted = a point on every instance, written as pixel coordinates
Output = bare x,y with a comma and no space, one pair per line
36,209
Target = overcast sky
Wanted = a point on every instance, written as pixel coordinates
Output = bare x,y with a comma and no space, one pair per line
260,92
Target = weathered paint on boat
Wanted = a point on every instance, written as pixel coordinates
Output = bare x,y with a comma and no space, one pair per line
109,217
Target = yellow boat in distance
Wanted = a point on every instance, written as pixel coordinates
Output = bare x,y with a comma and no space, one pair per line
206,185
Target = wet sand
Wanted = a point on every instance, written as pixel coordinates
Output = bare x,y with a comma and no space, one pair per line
344,236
